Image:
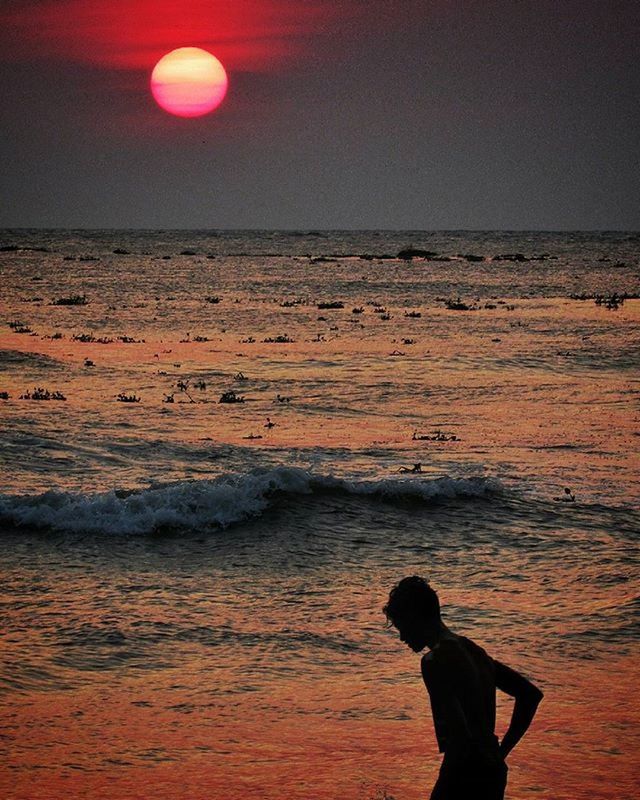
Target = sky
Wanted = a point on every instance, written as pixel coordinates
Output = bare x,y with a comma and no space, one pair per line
475,114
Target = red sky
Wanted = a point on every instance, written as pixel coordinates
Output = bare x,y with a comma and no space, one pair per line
133,34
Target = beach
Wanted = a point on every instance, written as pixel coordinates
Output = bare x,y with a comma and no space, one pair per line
221,449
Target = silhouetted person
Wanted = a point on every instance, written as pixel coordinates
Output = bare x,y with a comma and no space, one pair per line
461,680
415,468
567,497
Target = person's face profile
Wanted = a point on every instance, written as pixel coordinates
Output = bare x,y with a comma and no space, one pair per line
413,632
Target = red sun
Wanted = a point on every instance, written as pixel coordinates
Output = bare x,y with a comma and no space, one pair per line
189,82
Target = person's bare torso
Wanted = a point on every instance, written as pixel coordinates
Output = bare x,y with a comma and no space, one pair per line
463,699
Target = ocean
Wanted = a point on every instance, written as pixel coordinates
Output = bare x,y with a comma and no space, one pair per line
221,449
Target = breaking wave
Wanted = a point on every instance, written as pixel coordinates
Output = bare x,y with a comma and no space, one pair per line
217,503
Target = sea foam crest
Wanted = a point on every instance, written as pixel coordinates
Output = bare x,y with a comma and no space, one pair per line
210,504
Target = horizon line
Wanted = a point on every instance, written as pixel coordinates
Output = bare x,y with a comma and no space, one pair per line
308,230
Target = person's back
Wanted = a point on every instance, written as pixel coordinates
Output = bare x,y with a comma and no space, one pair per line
471,675
461,680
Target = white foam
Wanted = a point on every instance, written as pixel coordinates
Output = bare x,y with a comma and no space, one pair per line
210,504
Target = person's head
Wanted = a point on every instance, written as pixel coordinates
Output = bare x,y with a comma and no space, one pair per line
414,609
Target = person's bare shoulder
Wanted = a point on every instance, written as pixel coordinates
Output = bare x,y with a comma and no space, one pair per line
431,665
440,662
448,652
430,671
426,663
427,657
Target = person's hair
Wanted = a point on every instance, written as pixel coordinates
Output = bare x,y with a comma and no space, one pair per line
410,598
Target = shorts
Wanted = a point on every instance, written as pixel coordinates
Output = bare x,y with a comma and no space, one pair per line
471,779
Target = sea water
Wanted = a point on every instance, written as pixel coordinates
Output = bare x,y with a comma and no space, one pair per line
192,589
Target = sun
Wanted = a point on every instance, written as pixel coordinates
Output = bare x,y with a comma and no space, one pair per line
189,82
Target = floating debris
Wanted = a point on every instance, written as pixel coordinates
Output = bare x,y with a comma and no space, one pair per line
19,327
323,260
72,300
14,248
611,300
509,257
183,386
278,340
520,257
330,304
414,252
127,398
42,394
89,338
230,397
377,257
129,340
438,436
458,305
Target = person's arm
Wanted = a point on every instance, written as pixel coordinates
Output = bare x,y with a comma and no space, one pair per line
527,698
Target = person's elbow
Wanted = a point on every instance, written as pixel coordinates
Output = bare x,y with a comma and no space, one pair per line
532,696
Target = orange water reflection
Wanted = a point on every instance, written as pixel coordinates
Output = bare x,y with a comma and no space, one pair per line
242,721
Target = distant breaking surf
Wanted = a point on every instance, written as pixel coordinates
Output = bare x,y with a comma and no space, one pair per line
214,504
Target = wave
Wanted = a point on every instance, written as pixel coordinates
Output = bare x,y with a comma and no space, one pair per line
14,358
214,504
